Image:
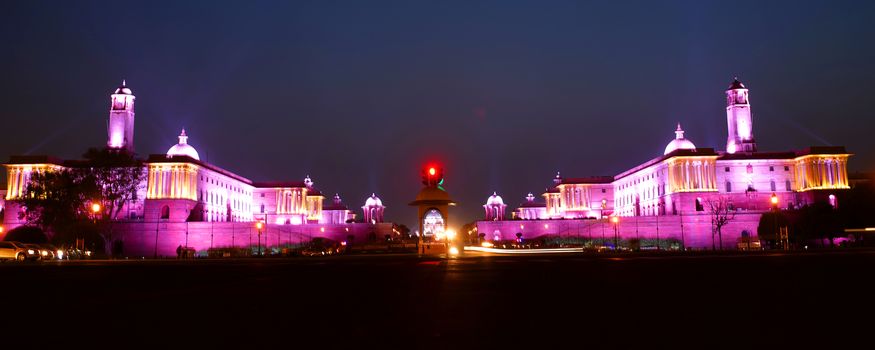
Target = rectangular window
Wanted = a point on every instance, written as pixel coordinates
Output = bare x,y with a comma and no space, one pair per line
786,168
789,187
604,190
699,205
726,169
773,186
728,187
771,168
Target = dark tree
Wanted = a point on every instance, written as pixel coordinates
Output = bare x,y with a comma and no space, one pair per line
722,212
55,200
120,173
26,234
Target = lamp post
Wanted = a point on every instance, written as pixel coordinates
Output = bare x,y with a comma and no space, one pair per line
95,211
259,225
774,201
616,221
658,210
683,242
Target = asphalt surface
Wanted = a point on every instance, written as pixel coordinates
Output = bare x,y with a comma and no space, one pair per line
702,301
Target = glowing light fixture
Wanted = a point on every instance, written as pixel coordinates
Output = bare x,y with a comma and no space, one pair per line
451,234
95,207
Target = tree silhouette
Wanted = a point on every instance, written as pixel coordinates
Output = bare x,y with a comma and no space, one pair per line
722,212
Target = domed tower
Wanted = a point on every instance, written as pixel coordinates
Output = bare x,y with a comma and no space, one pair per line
738,117
183,148
120,127
495,207
433,203
679,142
373,209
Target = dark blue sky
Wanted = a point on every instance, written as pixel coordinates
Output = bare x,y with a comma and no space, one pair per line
360,94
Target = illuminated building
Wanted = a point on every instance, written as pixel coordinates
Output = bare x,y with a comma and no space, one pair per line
495,207
373,209
184,200
671,192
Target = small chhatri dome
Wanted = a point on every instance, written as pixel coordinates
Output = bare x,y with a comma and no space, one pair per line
494,199
308,181
337,200
679,142
530,197
736,84
183,148
373,201
123,90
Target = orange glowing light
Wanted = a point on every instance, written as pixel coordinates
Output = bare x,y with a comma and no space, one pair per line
95,207
615,219
259,225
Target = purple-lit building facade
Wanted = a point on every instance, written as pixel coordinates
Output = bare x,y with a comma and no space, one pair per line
669,194
186,201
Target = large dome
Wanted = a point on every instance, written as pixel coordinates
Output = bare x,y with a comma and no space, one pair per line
183,148
679,142
494,199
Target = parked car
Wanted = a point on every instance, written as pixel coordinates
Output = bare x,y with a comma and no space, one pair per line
13,250
48,252
76,254
33,251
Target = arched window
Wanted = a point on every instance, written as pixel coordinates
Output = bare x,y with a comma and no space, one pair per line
165,212
772,183
728,187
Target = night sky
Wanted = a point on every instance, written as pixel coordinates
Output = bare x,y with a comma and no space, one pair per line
360,94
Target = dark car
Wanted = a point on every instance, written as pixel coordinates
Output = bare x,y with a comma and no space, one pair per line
33,251
49,252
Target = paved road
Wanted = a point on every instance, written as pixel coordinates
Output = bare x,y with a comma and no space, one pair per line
428,302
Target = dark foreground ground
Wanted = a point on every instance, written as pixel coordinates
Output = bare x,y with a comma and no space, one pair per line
764,300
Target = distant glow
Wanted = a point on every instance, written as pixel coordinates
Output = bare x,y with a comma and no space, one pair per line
486,244
343,243
95,207
524,251
615,219
454,251
60,254
259,225
774,199
322,229
432,171
451,234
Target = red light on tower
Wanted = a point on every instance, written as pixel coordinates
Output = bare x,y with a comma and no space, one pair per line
432,175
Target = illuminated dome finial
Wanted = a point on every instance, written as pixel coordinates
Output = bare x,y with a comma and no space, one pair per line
183,148
679,142
123,89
